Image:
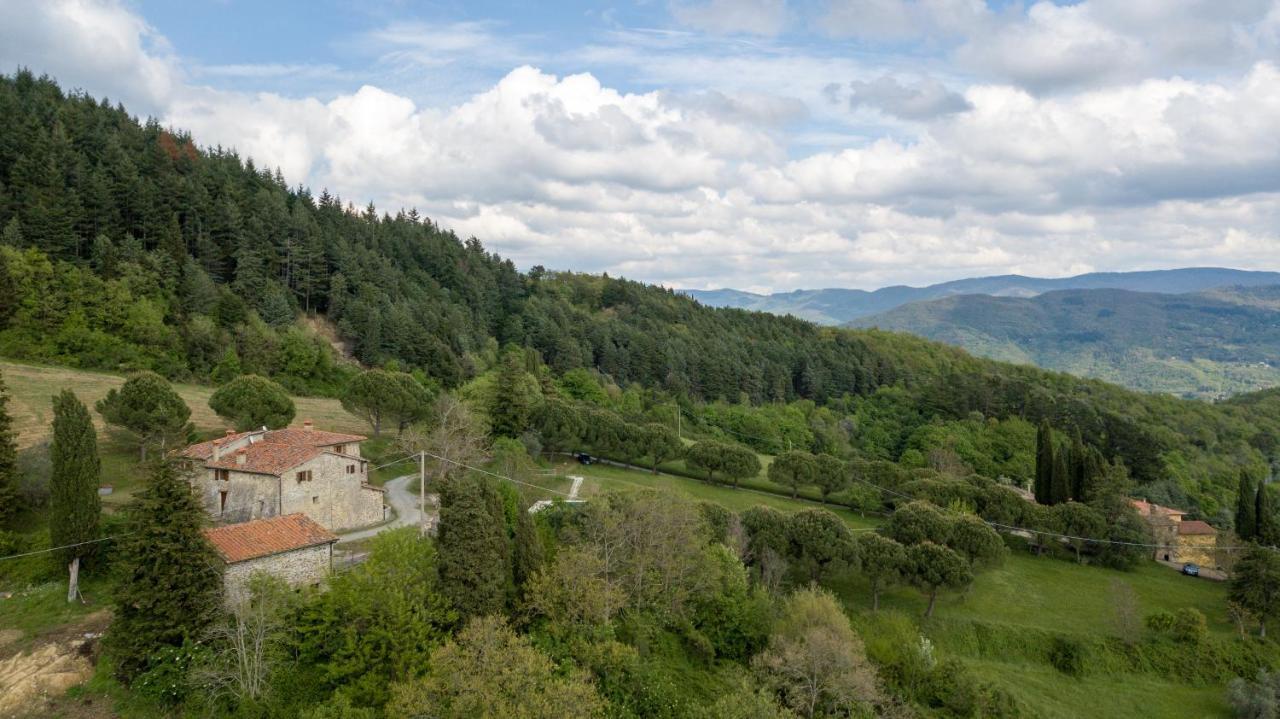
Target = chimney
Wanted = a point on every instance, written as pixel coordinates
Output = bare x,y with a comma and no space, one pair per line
241,456
306,424
217,450
230,433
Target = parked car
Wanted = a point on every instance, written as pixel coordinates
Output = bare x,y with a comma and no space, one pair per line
584,458
1191,570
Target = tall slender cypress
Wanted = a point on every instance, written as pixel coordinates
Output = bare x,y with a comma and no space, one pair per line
74,506
8,459
1044,463
1246,508
1266,519
1078,464
1060,483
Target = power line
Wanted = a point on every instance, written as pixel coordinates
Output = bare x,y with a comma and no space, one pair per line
494,474
65,546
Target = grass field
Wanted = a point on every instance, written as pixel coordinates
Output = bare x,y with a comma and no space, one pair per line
1026,595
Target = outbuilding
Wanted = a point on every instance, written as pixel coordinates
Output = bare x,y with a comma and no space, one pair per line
293,548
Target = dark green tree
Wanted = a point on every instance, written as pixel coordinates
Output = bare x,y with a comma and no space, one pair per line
170,585
1267,531
560,424
378,395
1255,584
831,474
794,469
474,549
657,442
250,402
820,545
1081,523
8,458
978,543
916,522
933,567
1078,467
883,562
513,396
1060,483
1246,508
707,457
527,550
739,463
74,506
147,407
1044,464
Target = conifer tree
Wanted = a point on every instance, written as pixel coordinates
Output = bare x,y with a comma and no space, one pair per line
1246,508
475,554
1044,464
8,459
74,506
171,577
511,404
527,553
1265,524
1060,482
1078,466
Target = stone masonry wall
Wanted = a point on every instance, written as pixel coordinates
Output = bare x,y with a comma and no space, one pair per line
299,568
334,498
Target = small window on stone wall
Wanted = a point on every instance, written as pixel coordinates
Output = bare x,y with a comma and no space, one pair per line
351,469
223,475
315,500
303,476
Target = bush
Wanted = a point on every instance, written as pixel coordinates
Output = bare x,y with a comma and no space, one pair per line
1258,699
1067,655
168,680
1160,621
1190,626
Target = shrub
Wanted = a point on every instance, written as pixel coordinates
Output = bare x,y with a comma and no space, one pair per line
1160,621
1190,626
1067,655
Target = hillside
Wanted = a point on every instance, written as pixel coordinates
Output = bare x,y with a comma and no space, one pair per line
1202,345
841,306
126,246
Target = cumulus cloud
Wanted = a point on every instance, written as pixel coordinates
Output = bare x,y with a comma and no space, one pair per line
702,189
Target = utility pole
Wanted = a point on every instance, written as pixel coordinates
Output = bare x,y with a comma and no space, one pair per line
679,433
422,492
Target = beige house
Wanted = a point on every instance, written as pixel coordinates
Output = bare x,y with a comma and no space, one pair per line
1180,540
292,548
270,473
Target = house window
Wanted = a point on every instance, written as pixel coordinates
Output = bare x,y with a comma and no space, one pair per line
340,449
223,475
303,476
261,505
222,500
315,500
351,469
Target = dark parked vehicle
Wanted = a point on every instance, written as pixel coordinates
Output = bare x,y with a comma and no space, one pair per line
1191,570
584,458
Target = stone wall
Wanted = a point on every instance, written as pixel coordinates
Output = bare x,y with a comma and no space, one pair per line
298,568
249,496
335,498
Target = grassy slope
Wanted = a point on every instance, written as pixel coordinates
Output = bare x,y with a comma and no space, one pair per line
1028,593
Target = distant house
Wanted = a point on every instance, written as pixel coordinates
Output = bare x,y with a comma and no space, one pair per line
292,548
270,473
1179,540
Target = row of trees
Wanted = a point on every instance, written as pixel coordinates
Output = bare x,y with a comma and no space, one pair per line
1067,472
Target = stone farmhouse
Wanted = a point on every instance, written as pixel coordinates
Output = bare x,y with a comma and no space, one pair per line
1180,540
292,548
271,473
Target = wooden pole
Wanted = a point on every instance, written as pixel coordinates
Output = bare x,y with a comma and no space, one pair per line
73,587
422,492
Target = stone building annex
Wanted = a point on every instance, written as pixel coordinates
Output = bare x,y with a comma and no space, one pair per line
291,548
271,473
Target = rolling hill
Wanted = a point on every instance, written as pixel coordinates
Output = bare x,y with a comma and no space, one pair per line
1208,345
840,306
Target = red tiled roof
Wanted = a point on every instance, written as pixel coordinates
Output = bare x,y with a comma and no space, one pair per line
266,458
264,537
313,437
1195,526
1147,509
204,450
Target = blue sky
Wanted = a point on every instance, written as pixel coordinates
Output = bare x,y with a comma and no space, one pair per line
759,144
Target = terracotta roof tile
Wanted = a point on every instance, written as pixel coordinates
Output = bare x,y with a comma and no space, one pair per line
266,458
1148,509
264,537
313,437
1194,527
204,450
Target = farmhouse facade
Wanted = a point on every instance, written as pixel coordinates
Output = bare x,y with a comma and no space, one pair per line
271,473
1180,540
292,548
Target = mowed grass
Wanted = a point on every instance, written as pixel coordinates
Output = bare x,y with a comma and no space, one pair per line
32,387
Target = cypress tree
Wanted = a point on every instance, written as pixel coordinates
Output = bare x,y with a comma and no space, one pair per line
1044,463
527,553
8,459
1265,524
1078,466
171,577
74,506
475,554
1246,508
1060,484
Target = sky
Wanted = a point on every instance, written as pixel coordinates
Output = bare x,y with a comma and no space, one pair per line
764,145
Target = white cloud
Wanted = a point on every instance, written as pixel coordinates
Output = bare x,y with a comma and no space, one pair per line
697,188
727,17
923,100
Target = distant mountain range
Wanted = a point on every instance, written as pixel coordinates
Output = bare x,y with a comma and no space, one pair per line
839,306
1211,344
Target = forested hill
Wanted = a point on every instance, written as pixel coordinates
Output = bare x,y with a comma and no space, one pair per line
127,246
1206,345
841,306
